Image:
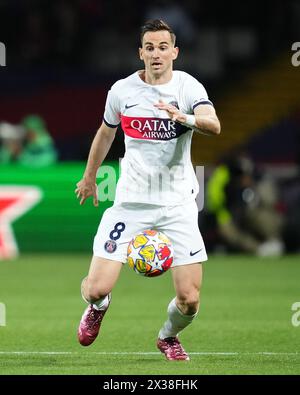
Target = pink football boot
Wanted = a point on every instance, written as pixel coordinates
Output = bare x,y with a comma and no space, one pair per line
90,324
172,349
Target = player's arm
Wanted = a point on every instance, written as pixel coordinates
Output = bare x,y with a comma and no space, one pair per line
101,144
206,120
203,121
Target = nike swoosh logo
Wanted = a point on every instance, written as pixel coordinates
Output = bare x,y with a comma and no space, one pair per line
133,105
194,253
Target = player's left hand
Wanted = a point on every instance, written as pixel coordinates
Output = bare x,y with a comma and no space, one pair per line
86,188
173,112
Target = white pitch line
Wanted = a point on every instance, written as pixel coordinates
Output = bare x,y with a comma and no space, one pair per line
140,353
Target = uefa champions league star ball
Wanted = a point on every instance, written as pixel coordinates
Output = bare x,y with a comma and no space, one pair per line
150,253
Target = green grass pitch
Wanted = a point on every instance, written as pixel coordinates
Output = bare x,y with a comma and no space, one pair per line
244,325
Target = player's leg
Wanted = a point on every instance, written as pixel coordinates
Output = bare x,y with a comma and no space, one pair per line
104,271
181,310
96,290
103,275
180,223
187,282
118,224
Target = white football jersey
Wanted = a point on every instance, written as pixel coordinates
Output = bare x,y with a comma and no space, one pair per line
157,167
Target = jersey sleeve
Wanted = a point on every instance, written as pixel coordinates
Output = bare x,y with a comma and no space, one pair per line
111,115
195,95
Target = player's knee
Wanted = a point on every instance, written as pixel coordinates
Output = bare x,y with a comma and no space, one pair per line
189,303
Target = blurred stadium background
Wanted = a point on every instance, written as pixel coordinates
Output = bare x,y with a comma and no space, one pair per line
62,57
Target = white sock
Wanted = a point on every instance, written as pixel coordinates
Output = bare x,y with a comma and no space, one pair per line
102,303
176,321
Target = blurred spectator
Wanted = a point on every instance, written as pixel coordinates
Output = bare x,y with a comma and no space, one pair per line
28,144
11,139
243,208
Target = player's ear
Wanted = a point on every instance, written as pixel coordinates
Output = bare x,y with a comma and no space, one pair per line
175,53
141,53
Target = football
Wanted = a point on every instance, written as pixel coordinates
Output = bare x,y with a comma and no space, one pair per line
150,253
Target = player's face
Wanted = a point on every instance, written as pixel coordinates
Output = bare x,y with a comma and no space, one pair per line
158,52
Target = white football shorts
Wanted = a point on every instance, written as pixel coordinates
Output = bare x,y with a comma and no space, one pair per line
122,221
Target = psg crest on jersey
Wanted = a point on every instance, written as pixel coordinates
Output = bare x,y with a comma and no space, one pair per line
110,246
175,104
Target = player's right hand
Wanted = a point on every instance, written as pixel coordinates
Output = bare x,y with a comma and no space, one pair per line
86,189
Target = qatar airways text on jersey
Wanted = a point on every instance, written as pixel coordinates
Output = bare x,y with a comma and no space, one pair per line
152,128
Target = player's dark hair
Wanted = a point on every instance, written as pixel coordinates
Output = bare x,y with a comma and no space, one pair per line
156,25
